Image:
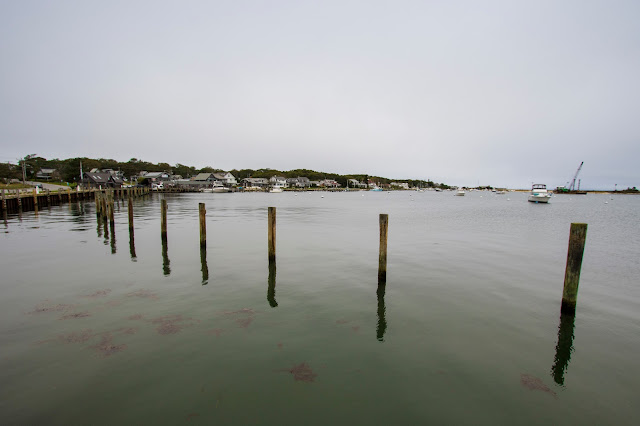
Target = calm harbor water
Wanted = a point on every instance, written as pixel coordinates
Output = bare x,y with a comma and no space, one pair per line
467,330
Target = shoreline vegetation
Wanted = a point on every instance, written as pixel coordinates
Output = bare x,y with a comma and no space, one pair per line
66,173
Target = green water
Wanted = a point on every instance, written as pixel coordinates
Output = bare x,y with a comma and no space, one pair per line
465,332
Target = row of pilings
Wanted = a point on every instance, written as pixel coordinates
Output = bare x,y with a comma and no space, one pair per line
16,200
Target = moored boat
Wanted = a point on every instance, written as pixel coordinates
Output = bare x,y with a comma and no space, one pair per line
539,193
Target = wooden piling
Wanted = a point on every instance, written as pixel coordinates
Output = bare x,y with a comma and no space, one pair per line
272,234
111,214
203,225
382,257
130,215
19,197
163,218
577,237
35,198
4,201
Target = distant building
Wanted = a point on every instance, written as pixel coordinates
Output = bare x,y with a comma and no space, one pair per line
157,176
226,178
278,182
48,174
299,182
255,182
101,180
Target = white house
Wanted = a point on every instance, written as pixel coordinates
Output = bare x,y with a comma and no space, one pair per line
226,178
278,182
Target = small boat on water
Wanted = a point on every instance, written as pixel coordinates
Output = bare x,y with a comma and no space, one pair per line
275,189
460,192
216,187
539,193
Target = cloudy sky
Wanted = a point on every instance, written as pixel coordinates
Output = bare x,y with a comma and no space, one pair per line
463,92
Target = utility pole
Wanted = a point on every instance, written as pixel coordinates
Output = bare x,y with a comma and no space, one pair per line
24,172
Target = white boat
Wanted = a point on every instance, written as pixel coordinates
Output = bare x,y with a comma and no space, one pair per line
460,192
216,187
275,189
539,193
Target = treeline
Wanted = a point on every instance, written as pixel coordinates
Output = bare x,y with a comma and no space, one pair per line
69,171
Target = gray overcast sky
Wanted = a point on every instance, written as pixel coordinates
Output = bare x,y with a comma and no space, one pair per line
463,92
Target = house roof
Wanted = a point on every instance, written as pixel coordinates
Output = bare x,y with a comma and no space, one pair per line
202,176
153,174
97,177
47,171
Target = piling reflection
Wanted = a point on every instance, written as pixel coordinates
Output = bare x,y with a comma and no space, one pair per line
4,218
382,320
166,270
271,290
132,247
99,228
203,265
113,238
105,226
564,348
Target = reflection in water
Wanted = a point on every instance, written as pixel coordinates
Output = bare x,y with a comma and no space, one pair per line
271,290
113,238
382,321
166,270
564,348
204,268
4,216
20,213
105,224
132,245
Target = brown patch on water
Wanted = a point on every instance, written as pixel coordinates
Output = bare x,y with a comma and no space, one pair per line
248,311
46,306
146,294
127,330
216,331
279,345
342,321
533,383
302,373
81,336
192,416
171,324
244,322
99,293
106,347
135,317
75,315
356,328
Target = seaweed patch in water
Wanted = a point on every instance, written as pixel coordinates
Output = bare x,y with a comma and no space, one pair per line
46,306
244,322
302,373
76,315
533,383
240,311
169,324
99,293
144,294
216,331
135,317
106,347
76,336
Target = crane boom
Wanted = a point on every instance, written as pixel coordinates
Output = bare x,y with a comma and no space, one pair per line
573,182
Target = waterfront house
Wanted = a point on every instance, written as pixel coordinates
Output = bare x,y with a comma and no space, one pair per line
278,182
255,183
100,180
157,176
226,178
299,182
48,174
329,183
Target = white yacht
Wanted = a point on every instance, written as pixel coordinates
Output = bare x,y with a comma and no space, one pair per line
539,193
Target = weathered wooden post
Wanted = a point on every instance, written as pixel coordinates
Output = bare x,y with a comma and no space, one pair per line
48,198
272,234
382,320
97,200
271,285
4,201
35,198
382,257
203,265
69,194
203,226
112,220
163,218
577,237
130,214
